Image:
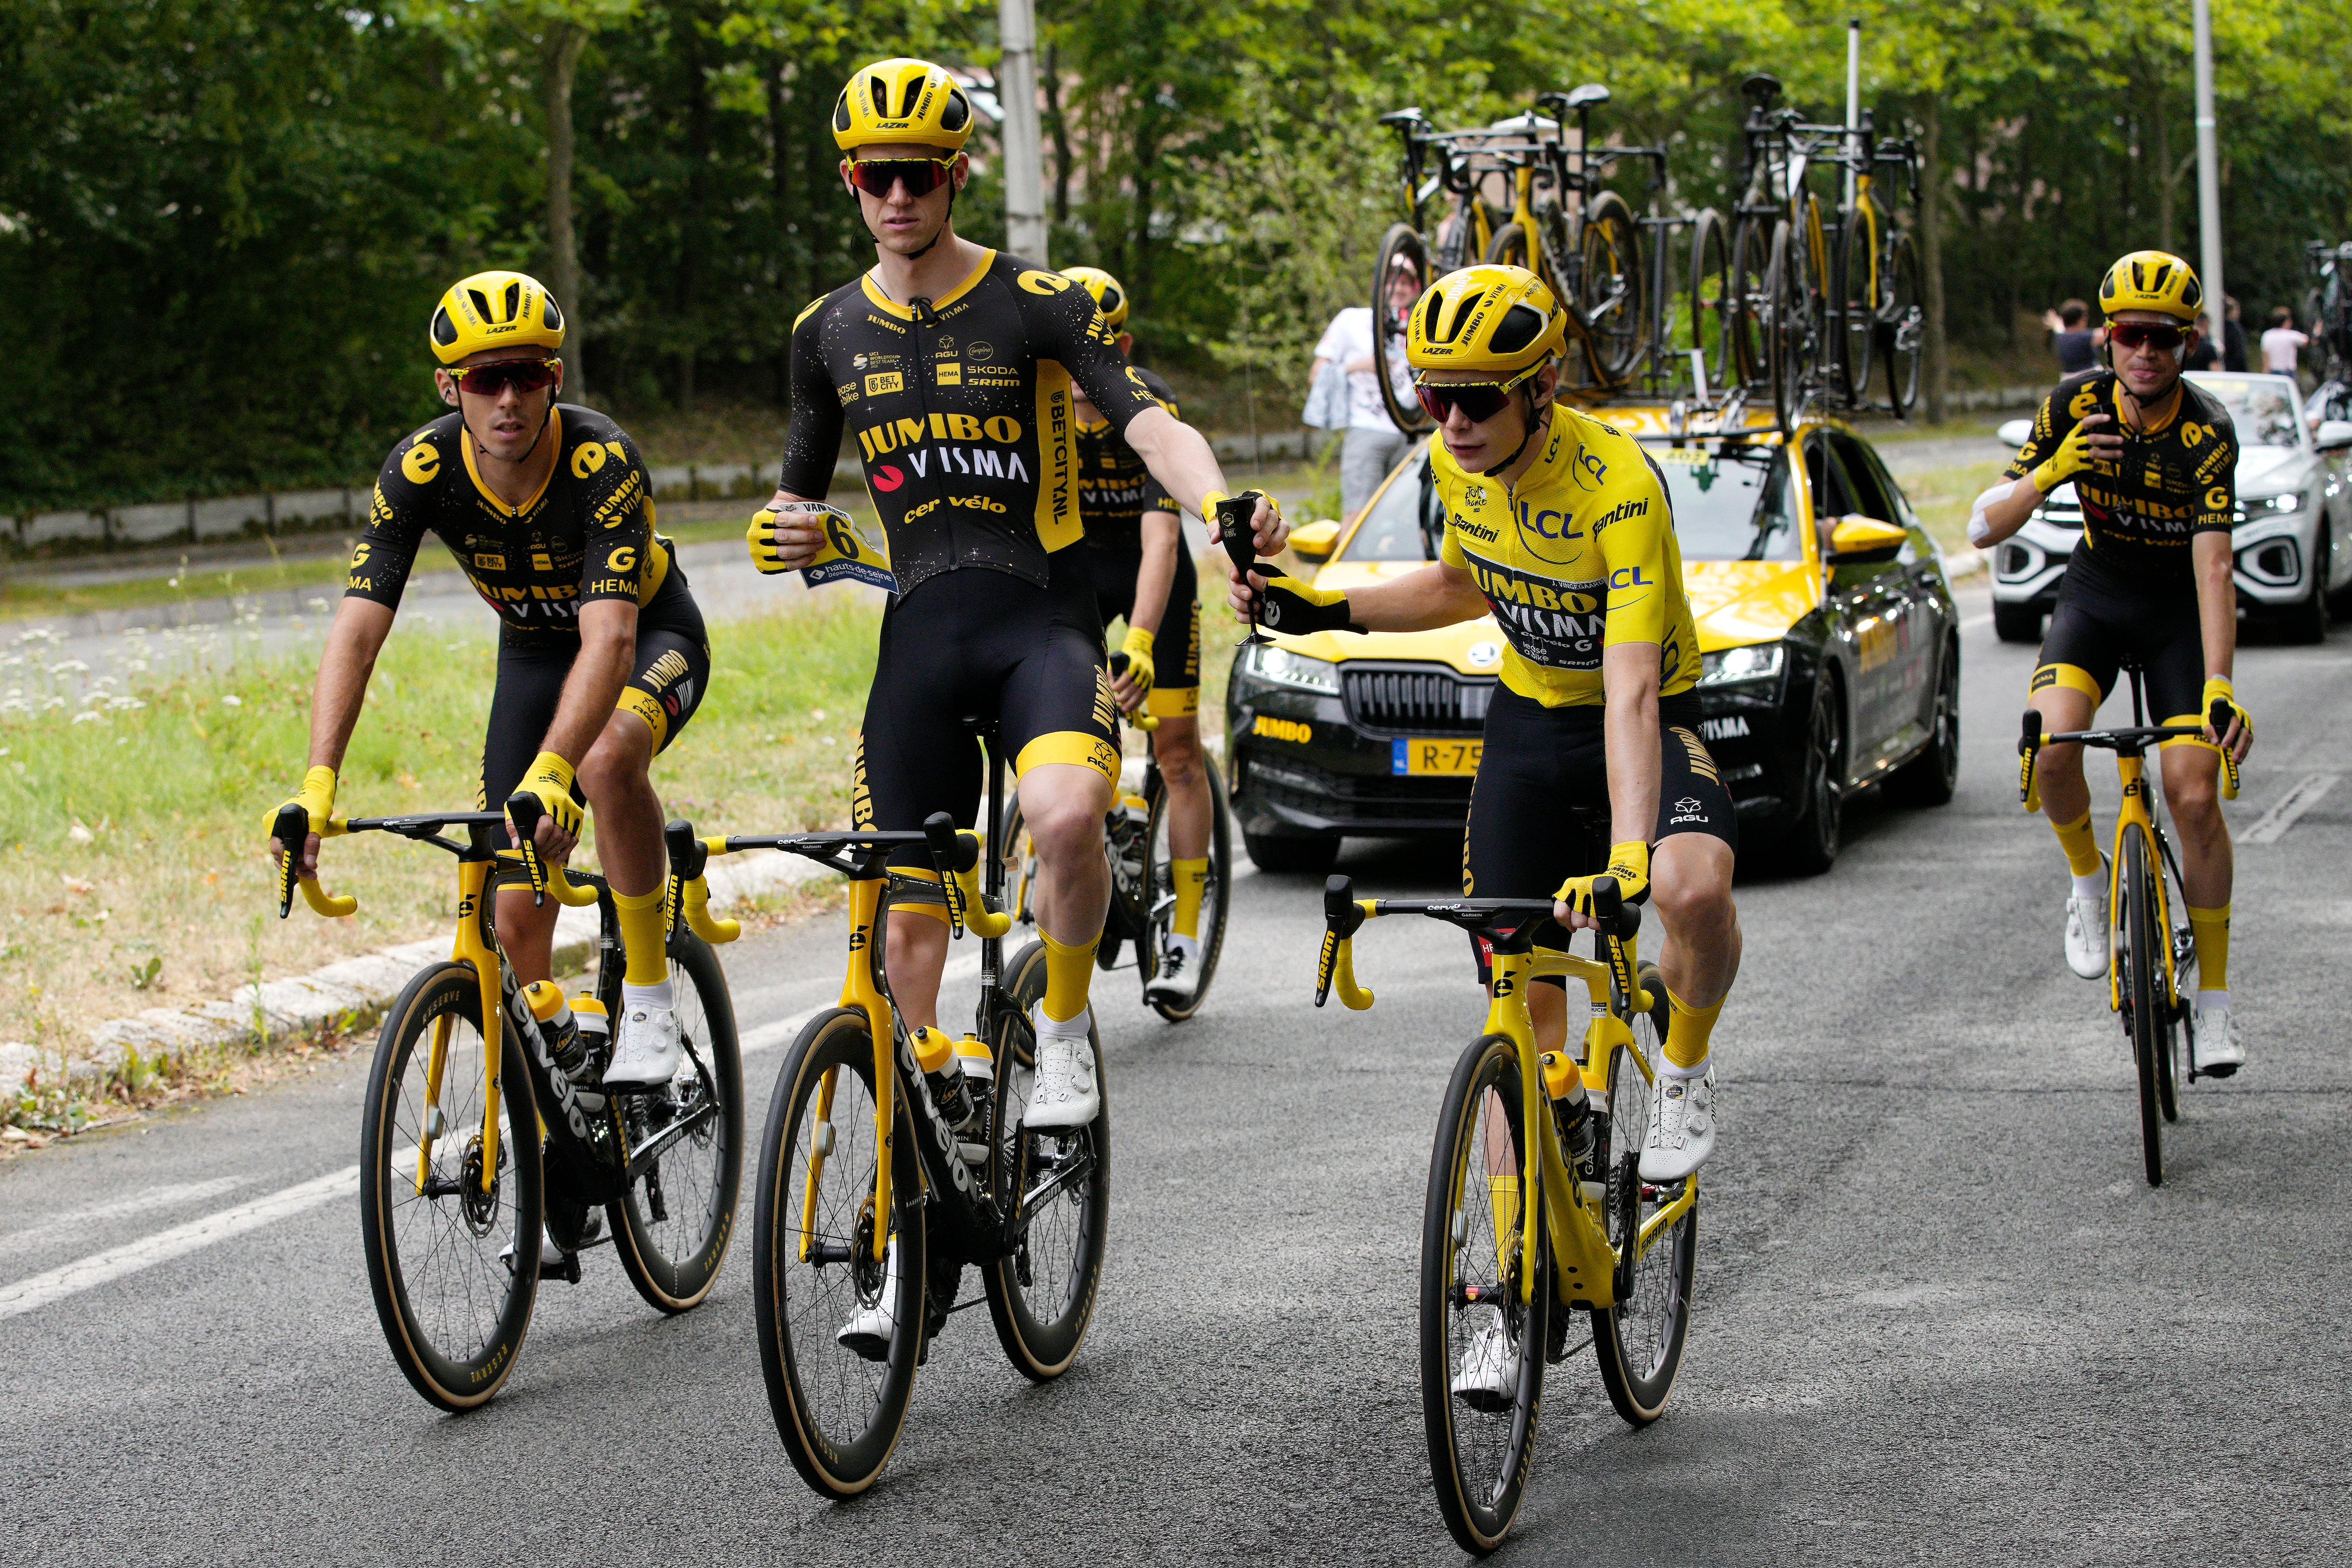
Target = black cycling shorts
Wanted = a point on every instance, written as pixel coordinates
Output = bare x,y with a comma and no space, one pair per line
976,643
2102,621
667,678
1176,646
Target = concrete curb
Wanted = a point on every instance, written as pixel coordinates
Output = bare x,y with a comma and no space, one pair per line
1960,564
358,989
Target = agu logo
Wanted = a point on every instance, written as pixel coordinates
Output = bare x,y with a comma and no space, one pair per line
887,479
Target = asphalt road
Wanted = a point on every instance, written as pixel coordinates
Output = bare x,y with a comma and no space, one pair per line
1939,1317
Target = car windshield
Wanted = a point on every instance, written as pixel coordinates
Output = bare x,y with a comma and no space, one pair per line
1393,529
1730,501
2262,408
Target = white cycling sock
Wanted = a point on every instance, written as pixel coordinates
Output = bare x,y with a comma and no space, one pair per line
2206,999
1669,1068
635,996
2092,887
1190,945
1067,1028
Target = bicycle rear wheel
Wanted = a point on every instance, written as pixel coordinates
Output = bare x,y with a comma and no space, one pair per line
673,1219
1903,321
1788,328
1161,897
840,1333
2148,1008
1858,299
1640,1339
454,1269
1474,1329
1403,243
1612,286
1751,301
1042,1294
1713,303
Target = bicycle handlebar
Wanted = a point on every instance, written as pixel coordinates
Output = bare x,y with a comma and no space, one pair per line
955,854
292,830
2129,741
1498,920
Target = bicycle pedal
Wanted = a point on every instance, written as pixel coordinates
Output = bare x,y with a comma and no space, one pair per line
568,1271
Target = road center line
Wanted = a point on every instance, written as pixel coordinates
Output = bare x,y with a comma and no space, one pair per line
2271,826
165,1196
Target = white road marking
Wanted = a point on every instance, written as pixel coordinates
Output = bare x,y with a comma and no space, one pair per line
2271,826
86,1273
163,1196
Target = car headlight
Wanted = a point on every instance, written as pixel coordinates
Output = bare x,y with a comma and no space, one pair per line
2269,506
1280,667
1756,661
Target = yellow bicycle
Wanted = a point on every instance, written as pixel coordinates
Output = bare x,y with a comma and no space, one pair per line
1536,1207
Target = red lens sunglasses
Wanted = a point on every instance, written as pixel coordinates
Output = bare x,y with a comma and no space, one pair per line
874,176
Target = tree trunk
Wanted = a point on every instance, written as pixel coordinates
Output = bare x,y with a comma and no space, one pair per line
1931,252
789,238
559,54
2164,180
1057,127
693,238
1147,157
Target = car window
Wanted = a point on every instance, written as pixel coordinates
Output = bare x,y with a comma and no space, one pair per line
1825,475
2262,408
1731,501
1401,524
1870,497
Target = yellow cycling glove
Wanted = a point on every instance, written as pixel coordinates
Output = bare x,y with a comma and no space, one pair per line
316,797
1629,863
2074,456
762,537
1139,668
1293,607
550,778
2218,689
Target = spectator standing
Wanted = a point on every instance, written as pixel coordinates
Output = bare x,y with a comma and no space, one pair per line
1373,443
2206,353
2281,343
2073,338
2234,340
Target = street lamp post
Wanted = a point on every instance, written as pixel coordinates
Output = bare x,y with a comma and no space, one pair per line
2208,179
1024,170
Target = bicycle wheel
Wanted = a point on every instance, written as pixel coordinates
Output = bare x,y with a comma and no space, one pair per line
1640,1339
673,1221
1042,1294
454,1269
1713,303
1402,242
1162,897
1751,302
840,1333
1787,333
1474,1258
1858,295
1902,323
2148,1010
1612,286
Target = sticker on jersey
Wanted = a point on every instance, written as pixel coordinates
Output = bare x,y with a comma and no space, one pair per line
887,479
587,459
2218,497
420,463
2087,401
1045,283
891,381
1549,536
851,549
1553,623
624,559
950,372
847,392
2193,434
491,562
981,350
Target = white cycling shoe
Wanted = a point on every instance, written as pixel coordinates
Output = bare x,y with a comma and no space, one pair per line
1178,978
868,1332
1064,1093
2220,1050
2086,934
649,1049
1682,1125
1488,1377
551,1256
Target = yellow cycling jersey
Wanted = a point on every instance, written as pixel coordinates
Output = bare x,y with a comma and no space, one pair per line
1579,555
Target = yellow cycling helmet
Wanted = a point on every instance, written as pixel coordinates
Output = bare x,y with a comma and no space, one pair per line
1490,318
1110,297
493,310
2154,280
901,102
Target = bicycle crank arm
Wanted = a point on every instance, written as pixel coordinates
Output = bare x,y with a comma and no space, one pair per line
1067,1173
652,1149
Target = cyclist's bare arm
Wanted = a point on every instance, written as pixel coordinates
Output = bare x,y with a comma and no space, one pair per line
608,645
1629,676
354,638
2217,619
1164,536
1436,596
1178,458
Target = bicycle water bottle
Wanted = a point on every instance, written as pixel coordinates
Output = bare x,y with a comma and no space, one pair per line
595,1033
1571,1109
557,1024
943,1070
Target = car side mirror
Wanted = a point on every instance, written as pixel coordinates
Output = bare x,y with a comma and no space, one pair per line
1864,542
2015,432
1316,541
2333,435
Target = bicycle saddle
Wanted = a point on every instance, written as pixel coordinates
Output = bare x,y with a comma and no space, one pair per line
1592,95
982,726
1761,87
1404,117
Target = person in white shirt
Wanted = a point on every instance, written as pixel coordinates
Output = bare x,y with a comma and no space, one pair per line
1373,443
2281,343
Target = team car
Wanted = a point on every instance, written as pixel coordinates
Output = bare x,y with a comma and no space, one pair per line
1830,644
2292,540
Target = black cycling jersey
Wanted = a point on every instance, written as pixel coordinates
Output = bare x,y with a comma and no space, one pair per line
587,535
962,413
2175,480
1115,489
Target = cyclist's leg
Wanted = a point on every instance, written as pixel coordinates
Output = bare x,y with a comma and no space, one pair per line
1690,884
532,668
1175,701
2192,794
2080,655
1518,843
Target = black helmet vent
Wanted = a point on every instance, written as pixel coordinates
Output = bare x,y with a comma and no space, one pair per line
1520,325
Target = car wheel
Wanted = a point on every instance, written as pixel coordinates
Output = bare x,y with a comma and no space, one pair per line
2308,621
2016,623
1306,856
1929,778
1810,832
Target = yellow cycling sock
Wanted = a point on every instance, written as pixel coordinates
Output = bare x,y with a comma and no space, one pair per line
2082,846
2213,928
1502,1197
1068,971
643,929
1191,877
1687,1028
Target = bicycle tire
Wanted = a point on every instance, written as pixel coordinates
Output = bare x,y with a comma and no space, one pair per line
1904,323
1388,336
838,1421
1612,283
1751,266
2150,1008
1481,1483
1213,897
456,1364
672,1225
1858,308
1041,1348
1639,1341
1788,339
1712,304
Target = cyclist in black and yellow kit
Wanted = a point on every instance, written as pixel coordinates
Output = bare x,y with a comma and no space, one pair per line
954,366
602,654
2153,460
1135,544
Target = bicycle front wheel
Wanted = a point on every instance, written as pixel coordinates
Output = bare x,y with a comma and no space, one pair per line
1713,305
453,1263
1788,328
2147,1004
1482,1347
1400,247
1858,296
1211,928
840,1330
1612,286
1903,325
673,1220
1751,303
1640,1339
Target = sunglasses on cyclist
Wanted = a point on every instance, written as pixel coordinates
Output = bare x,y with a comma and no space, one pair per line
1478,400
2141,334
490,380
874,176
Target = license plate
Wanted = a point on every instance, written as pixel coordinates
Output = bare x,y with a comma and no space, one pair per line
1446,758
